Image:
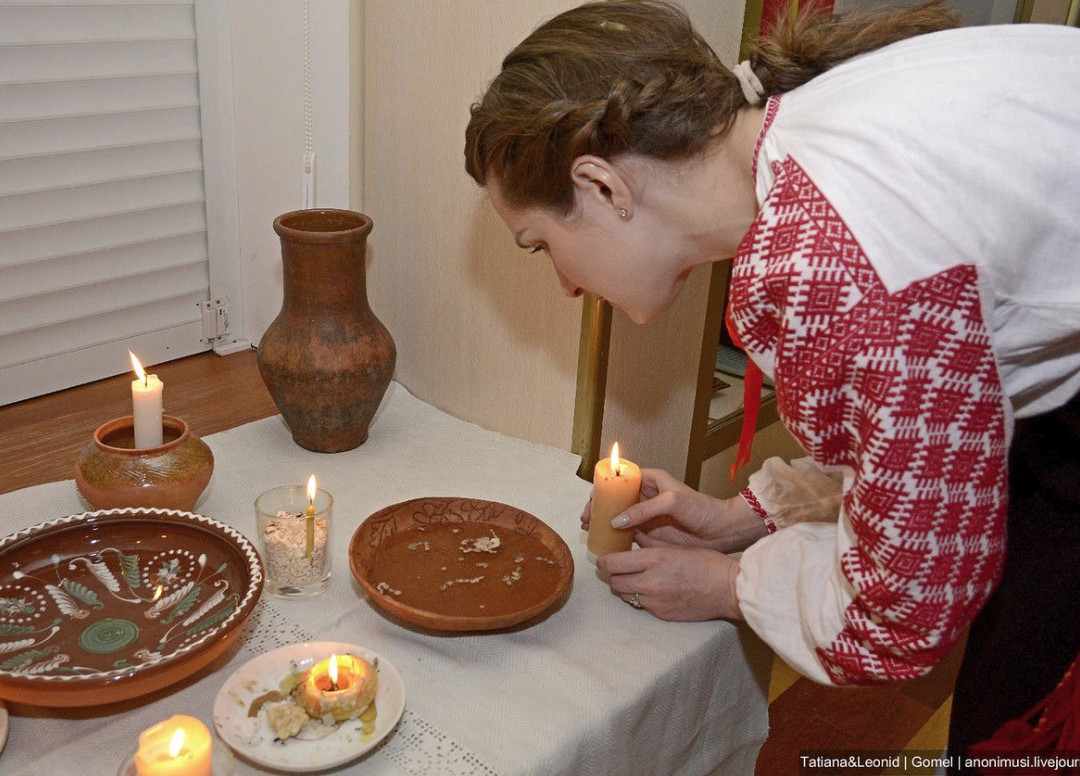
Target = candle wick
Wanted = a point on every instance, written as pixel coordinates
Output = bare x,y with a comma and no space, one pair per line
333,686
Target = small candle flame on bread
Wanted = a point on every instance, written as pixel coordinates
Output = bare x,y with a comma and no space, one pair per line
332,671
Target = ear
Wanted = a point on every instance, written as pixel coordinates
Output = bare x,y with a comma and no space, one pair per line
601,183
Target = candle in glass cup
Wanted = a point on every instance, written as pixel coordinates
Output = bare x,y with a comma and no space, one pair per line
293,524
146,404
179,746
616,486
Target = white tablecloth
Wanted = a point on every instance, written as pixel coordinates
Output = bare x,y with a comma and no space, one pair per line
597,687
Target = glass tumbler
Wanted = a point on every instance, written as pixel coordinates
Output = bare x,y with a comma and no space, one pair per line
296,548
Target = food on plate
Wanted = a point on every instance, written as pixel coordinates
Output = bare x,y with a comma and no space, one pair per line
312,703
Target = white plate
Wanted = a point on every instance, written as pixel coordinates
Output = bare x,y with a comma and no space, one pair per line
252,737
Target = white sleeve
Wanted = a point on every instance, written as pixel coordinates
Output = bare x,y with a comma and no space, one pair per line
798,491
786,577
793,595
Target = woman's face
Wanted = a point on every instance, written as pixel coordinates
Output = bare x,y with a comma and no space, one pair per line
628,263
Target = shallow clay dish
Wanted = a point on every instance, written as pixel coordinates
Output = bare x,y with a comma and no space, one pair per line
109,605
456,564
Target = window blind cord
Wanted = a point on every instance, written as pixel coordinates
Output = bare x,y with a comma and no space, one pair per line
308,196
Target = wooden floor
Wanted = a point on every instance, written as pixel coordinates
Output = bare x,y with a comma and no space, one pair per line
41,438
804,716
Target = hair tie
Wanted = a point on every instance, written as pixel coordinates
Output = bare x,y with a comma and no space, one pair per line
752,89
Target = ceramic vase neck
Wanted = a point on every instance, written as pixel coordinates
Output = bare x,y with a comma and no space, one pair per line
323,275
323,258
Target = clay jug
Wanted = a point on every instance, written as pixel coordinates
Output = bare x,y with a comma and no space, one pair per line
326,359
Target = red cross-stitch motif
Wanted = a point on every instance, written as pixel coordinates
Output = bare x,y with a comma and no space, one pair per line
752,500
901,387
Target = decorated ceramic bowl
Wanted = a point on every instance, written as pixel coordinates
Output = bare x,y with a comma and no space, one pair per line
112,473
110,605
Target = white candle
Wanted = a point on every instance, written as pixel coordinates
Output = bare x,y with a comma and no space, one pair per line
146,403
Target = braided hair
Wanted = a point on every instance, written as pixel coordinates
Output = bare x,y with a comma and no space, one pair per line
633,76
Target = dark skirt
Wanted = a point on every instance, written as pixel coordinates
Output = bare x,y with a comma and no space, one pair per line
1028,634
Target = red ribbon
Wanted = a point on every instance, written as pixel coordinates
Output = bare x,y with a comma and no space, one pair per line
753,381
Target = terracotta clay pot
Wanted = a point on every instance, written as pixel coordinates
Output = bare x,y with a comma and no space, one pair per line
112,473
326,359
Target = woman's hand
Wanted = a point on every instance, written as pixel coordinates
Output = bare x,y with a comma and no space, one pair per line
671,514
681,571
675,584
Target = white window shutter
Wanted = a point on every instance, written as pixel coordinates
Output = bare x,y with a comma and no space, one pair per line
105,243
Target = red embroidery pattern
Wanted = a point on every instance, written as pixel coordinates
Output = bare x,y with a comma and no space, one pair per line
772,105
902,388
752,500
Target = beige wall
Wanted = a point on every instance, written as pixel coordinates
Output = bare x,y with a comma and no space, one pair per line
482,329
1050,11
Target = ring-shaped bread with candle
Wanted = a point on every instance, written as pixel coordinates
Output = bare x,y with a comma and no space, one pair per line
311,704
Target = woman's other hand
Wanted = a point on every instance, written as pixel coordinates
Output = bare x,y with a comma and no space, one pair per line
675,584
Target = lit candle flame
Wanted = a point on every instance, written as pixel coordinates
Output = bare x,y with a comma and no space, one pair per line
177,743
615,458
157,592
311,489
138,368
333,671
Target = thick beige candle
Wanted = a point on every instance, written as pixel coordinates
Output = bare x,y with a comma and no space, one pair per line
616,484
179,746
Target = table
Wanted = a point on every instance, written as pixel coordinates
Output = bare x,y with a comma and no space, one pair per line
597,687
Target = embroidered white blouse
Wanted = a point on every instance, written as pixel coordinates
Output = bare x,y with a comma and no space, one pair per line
911,284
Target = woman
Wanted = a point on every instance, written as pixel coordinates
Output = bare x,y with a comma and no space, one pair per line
901,200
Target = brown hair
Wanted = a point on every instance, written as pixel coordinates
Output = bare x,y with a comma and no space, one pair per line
633,76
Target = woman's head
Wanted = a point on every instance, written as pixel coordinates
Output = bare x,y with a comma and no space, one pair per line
615,139
633,76
604,79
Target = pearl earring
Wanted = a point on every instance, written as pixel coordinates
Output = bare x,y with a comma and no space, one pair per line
623,213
